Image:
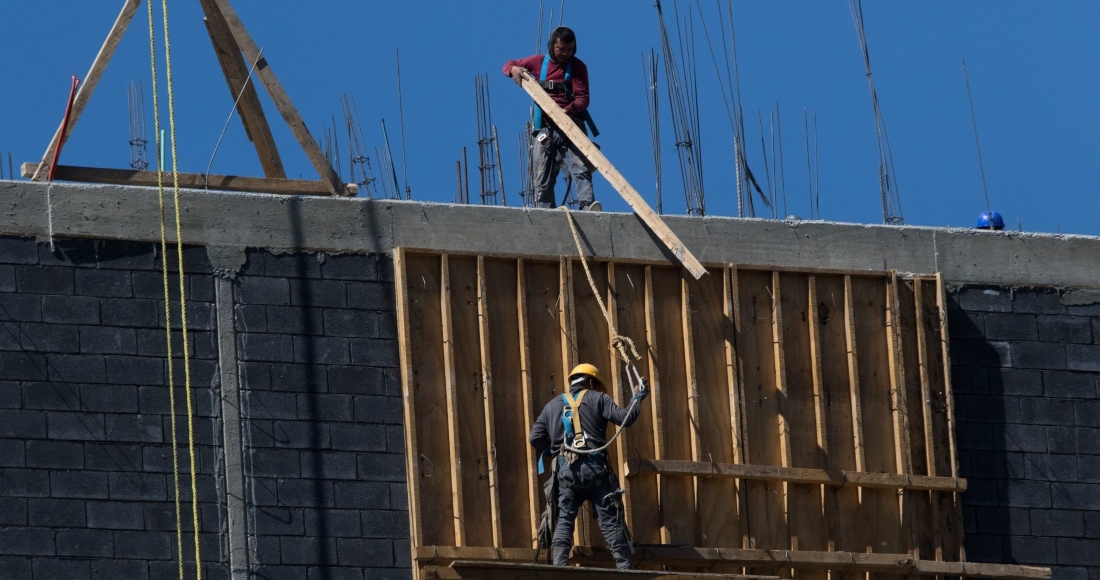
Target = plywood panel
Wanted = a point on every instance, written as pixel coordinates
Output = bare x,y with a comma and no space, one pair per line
914,372
933,323
766,515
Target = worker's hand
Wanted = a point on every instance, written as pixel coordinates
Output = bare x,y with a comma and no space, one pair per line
643,391
517,73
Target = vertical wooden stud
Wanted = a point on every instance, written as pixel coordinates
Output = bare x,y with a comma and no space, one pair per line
487,394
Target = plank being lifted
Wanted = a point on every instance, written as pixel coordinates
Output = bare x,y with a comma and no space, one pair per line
190,180
594,156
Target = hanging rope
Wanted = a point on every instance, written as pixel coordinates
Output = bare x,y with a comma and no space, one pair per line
182,292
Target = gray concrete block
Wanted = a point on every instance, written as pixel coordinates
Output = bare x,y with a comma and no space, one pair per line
385,524
350,267
9,336
372,352
255,376
200,288
319,293
62,568
306,493
15,250
356,380
1072,573
276,463
1030,550
379,409
115,515
984,298
60,338
7,278
70,309
27,541
1026,494
1055,468
357,437
147,545
260,434
1038,355
981,353
1000,326
265,347
253,262
333,523
350,323
1089,468
200,316
318,573
278,572
11,395
77,368
23,366
109,398
375,296
265,491
966,324
974,436
296,265
328,465
393,382
1068,384
114,569
22,424
1083,357
20,308
279,521
56,513
54,455
104,283
109,340
52,396
78,484
44,280
985,547
321,350
1077,496
134,428
1062,440
270,405
256,290
381,467
1042,411
150,285
320,407
297,378
131,312
16,568
134,370
395,439
1087,413
1065,329
76,426
1078,552
301,435
1001,465
251,317
362,495
365,553
402,557
138,486
999,520
112,457
85,543
1025,438
399,496
1037,300
13,511
308,551
295,320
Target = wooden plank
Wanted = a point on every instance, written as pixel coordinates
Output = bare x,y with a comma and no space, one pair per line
454,413
766,515
597,159
900,376
805,437
282,100
243,91
189,180
425,396
408,387
709,336
829,529
509,570
87,87
798,475
485,300
670,401
529,412
830,324
949,526
736,378
880,510
911,338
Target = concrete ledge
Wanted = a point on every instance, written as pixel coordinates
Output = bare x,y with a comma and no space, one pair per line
361,226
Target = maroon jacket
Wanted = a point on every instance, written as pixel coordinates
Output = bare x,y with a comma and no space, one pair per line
556,72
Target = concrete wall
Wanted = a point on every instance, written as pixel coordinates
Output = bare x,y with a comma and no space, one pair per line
1026,369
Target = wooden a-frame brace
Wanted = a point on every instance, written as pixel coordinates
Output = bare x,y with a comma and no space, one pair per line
230,40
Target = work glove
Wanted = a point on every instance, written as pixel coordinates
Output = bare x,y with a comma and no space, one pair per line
643,391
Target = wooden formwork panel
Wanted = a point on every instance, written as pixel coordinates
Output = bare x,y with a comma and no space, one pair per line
800,424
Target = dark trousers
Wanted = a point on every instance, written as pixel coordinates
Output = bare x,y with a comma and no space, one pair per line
590,478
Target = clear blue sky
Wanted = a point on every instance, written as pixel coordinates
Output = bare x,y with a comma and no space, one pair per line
1034,71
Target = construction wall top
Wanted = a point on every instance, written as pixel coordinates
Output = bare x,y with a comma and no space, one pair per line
360,226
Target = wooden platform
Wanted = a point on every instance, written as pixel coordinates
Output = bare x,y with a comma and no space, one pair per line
801,422
472,570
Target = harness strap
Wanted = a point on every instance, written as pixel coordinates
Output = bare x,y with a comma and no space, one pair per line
585,116
575,410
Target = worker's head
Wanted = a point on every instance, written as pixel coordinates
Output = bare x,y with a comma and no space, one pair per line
562,44
585,375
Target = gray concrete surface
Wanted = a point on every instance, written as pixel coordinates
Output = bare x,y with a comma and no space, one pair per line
230,220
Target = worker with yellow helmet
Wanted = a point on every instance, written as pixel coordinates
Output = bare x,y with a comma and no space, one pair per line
572,429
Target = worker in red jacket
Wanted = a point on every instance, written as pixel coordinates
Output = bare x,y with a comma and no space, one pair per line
565,79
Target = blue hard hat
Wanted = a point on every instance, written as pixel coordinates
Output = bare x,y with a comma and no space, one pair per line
990,220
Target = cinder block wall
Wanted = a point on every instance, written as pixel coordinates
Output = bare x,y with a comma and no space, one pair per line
1026,369
86,481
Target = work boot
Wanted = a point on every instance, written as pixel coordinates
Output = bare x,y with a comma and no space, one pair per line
561,555
622,560
594,206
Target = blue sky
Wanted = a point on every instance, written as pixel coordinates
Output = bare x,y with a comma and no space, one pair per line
1034,71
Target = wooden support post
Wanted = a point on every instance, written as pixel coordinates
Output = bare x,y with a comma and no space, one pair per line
84,93
827,526
899,395
530,403
594,156
236,72
736,379
453,418
282,100
484,299
949,403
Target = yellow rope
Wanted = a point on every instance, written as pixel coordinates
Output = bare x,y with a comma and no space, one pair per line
182,294
618,341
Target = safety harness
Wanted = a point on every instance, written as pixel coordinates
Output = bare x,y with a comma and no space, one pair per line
567,86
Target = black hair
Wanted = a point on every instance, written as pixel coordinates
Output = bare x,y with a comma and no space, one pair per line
562,33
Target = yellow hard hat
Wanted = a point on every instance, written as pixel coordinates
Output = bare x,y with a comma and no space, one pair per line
585,369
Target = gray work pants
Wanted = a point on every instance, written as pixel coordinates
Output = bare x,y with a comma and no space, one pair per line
552,154
589,478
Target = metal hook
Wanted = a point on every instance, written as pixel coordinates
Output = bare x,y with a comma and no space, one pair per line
423,289
632,292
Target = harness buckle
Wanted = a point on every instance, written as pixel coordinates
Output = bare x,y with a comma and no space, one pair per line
578,441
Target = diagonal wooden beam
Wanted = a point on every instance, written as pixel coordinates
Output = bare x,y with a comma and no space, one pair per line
282,99
595,157
237,77
90,81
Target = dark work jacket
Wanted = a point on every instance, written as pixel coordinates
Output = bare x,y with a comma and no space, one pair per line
596,410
